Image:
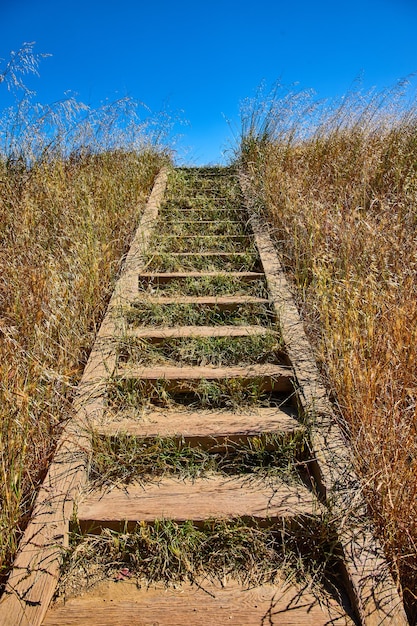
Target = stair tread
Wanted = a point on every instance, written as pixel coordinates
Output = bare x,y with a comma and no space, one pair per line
207,253
198,236
210,300
167,332
202,499
212,372
197,274
202,604
182,380
193,425
176,221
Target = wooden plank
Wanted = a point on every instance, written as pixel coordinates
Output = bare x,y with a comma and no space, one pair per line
214,214
246,237
217,222
206,210
202,604
178,332
207,253
222,302
166,277
197,500
206,427
182,379
372,588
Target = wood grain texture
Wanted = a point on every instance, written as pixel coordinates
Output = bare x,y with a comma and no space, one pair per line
221,302
206,210
205,428
198,500
168,332
184,222
248,237
208,253
166,277
205,604
268,377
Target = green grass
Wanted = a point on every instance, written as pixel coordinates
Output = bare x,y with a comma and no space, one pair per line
198,243
150,314
166,262
220,285
168,552
233,394
185,185
197,207
125,459
178,227
217,351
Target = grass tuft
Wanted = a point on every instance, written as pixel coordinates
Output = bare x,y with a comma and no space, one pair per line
216,351
168,552
124,458
232,393
220,285
166,262
150,314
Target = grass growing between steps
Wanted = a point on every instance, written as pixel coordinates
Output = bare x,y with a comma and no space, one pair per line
165,262
150,314
234,394
170,553
199,243
178,227
220,285
217,351
187,186
204,208
124,459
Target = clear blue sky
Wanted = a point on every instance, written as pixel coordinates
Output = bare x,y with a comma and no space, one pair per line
204,58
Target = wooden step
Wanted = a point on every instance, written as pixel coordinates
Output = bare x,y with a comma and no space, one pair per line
206,427
193,242
221,302
166,332
167,277
197,500
270,377
248,236
203,604
217,222
207,253
206,210
208,214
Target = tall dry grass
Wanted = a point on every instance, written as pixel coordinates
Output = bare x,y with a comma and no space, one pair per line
73,183
339,185
64,226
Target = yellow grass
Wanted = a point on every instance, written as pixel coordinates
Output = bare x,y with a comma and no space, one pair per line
343,205
64,226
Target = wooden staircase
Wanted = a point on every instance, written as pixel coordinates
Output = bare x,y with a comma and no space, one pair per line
291,405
